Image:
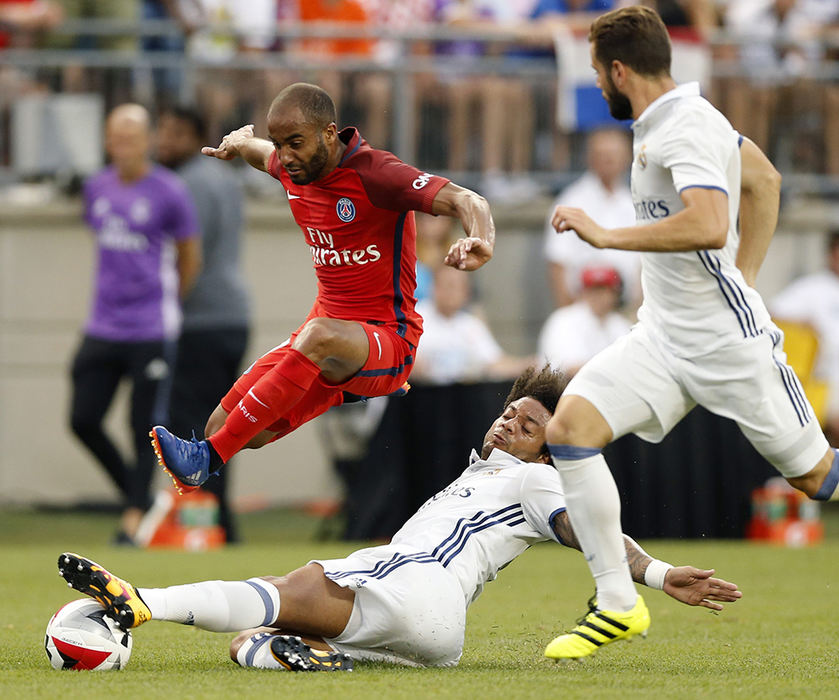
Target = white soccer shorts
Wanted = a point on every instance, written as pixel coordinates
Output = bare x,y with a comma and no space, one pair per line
639,387
408,609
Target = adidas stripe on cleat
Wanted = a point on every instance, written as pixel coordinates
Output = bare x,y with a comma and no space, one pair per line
120,599
186,461
598,628
295,655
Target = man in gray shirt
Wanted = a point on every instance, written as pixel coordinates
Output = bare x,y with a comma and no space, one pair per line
216,314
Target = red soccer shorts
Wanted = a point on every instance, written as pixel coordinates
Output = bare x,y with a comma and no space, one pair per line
388,365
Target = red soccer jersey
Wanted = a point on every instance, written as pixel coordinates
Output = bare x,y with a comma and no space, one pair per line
359,224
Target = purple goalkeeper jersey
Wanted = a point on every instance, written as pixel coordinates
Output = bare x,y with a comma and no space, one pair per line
136,225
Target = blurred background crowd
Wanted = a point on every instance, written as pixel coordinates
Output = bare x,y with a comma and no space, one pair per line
433,80
497,94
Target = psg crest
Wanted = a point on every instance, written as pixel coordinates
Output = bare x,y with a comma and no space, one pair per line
345,209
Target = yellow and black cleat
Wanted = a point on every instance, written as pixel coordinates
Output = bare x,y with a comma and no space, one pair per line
294,654
598,628
120,599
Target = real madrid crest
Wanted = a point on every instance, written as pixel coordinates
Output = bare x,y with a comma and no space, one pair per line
642,156
140,210
345,209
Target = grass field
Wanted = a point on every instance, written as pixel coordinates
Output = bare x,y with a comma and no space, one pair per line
779,641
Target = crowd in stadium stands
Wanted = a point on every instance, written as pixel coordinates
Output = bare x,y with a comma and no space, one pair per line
770,59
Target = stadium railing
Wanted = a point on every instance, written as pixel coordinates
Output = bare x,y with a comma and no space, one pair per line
415,128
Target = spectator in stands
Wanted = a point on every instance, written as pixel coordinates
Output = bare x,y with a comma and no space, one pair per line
814,301
374,89
435,234
603,190
368,92
687,19
574,334
164,84
21,19
776,45
226,29
78,78
138,212
499,105
216,311
575,14
829,37
457,345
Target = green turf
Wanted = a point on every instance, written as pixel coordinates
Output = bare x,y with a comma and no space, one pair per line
779,641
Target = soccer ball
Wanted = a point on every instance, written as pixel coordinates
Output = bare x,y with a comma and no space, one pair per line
80,636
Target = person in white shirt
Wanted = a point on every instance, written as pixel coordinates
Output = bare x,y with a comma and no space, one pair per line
404,602
603,190
814,300
457,345
703,335
574,334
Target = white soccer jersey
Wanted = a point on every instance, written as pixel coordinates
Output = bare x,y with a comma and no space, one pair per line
695,301
484,519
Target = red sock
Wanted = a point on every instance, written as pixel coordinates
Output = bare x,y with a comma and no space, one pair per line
268,400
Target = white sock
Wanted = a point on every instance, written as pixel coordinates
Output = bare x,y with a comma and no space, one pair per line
256,653
217,606
594,509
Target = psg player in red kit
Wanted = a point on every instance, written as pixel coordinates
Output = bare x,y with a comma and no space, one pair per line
354,205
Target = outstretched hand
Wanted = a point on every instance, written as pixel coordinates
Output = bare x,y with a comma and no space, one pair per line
468,253
693,586
228,149
573,219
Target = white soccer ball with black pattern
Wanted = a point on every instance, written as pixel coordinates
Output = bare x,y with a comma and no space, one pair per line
82,637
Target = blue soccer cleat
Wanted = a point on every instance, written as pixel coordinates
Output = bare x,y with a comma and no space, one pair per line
186,461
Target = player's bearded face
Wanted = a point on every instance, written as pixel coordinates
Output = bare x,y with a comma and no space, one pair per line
619,105
311,169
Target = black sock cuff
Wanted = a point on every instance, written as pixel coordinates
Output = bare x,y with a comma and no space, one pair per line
216,462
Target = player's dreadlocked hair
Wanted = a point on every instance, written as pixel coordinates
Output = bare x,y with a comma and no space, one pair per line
315,103
545,385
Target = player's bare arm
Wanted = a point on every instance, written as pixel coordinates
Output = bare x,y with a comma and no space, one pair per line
760,196
701,225
687,584
476,248
242,142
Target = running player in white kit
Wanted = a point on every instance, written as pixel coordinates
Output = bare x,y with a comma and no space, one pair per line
704,335
404,602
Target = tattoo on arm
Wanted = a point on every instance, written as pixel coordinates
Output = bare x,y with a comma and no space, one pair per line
636,557
564,531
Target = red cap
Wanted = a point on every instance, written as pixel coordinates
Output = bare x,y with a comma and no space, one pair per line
601,277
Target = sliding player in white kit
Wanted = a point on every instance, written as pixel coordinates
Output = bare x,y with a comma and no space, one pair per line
704,335
404,602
